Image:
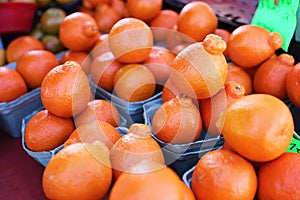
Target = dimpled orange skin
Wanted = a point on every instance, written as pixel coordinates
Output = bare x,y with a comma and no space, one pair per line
65,90
130,40
250,45
293,85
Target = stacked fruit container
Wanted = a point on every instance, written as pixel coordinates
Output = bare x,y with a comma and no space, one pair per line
135,98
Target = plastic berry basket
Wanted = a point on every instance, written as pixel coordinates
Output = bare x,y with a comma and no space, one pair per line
17,17
43,157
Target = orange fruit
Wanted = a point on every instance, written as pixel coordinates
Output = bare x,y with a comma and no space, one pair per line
196,20
65,90
250,45
177,121
12,84
169,91
200,70
101,46
46,131
34,65
159,180
159,63
81,57
143,9
160,25
130,29
91,4
20,45
225,35
78,171
134,82
119,6
270,76
136,146
222,174
259,127
279,178
78,31
103,70
239,75
105,17
99,109
94,131
292,85
211,108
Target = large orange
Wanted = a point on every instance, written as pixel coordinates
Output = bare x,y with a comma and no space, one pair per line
34,65
130,40
99,109
259,127
78,31
136,146
196,20
200,70
144,9
46,131
239,75
94,131
12,84
293,85
134,82
163,23
150,181
20,45
211,108
270,76
177,121
78,171
81,57
250,45
223,175
159,62
103,70
279,178
65,90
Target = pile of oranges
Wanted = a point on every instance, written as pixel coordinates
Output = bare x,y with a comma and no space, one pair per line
211,79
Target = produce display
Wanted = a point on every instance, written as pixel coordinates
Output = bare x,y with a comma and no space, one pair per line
139,101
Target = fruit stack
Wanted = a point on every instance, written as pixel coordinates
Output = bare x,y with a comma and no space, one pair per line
195,83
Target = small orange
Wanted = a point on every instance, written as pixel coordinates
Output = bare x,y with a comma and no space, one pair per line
160,25
223,175
20,45
259,127
138,33
99,109
105,17
101,46
81,57
12,84
211,108
250,45
239,75
200,70
136,146
177,121
34,65
143,9
196,20
65,90
293,84
78,31
91,4
103,70
270,76
46,131
279,178
78,171
134,82
94,131
159,63
119,6
160,179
